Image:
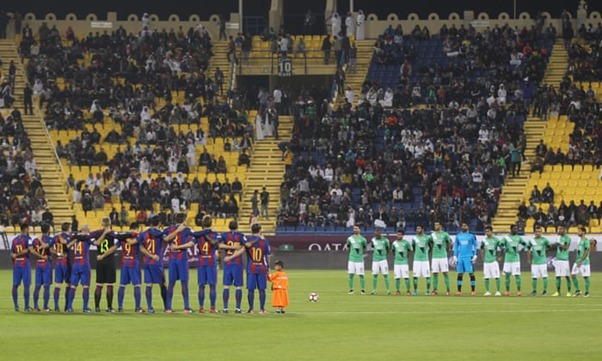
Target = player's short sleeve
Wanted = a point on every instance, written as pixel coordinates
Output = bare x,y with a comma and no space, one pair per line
267,249
587,245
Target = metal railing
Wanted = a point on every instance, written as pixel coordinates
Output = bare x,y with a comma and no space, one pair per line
268,61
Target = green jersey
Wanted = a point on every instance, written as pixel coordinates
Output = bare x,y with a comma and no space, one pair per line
357,246
380,247
421,245
490,246
441,242
401,249
582,247
538,247
511,246
563,254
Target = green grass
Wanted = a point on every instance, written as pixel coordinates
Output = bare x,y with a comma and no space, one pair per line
338,327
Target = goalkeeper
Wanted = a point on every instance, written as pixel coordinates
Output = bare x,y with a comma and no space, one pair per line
465,253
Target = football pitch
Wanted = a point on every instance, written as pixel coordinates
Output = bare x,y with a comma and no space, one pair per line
338,327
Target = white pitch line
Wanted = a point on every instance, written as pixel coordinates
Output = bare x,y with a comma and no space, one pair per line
433,312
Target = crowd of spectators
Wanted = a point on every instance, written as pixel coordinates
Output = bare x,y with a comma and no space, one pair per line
564,215
22,197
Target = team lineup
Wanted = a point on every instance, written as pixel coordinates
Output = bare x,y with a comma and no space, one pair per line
466,250
72,267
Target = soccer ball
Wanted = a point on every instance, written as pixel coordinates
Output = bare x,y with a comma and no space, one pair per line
314,297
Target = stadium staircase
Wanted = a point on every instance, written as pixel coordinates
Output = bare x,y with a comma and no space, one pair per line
220,60
356,80
53,178
267,169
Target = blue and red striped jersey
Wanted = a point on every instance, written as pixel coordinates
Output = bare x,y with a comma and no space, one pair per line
129,254
258,248
180,239
81,250
61,249
20,243
38,244
233,238
152,240
207,250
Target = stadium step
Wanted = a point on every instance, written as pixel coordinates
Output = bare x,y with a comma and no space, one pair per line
220,60
356,80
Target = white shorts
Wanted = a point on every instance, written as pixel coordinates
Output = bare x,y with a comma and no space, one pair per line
439,265
491,270
561,268
512,267
355,268
380,267
582,271
539,271
401,271
421,269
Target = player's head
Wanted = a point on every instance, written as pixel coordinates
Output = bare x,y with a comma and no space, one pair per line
105,222
419,229
154,221
207,221
561,230
356,230
537,230
233,225
464,227
85,228
45,228
513,229
488,231
180,218
278,265
256,228
134,226
437,226
24,228
65,226
581,231
400,234
377,233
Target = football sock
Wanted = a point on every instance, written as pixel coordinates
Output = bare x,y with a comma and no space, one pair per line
518,283
460,281
212,295
67,292
70,297
397,284
534,284
428,284
185,295
586,280
415,283
238,295
226,297
56,295
558,284
120,297
26,296
473,282
386,277
16,296
351,281
149,296
262,299
407,281
46,295
169,295
97,295
251,298
568,283
86,297
545,284
137,297
110,296
374,282
486,284
498,284
36,296
363,281
164,294
507,281
435,281
576,283
201,296
446,280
